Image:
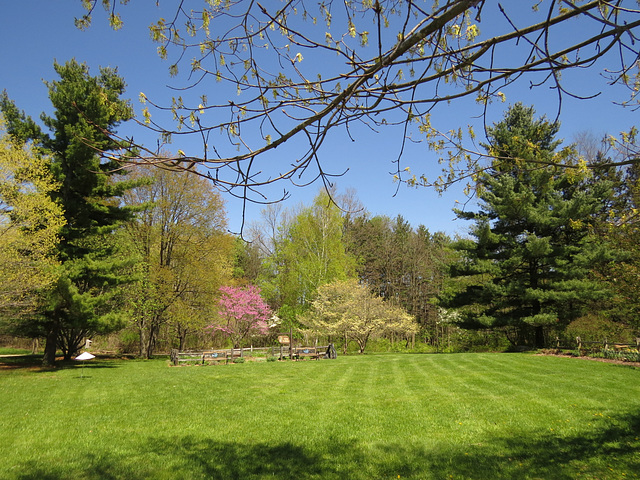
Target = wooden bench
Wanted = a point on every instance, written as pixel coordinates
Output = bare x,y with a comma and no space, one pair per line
306,352
184,357
215,356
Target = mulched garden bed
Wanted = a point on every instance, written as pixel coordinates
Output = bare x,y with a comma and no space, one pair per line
594,359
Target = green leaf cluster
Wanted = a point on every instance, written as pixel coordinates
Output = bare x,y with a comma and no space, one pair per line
30,222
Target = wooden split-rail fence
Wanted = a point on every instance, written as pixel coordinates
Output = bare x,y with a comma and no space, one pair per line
604,344
624,351
209,356
230,355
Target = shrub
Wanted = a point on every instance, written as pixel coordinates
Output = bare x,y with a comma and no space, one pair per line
129,341
596,328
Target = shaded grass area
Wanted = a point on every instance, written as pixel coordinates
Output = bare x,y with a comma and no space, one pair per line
14,351
470,416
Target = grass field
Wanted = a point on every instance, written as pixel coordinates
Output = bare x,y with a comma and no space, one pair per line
13,351
475,416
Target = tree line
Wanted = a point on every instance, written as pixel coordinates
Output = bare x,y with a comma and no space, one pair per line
550,252
89,247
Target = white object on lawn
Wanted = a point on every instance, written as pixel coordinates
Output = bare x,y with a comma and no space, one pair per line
84,356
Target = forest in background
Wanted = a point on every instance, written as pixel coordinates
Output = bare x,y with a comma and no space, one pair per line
137,257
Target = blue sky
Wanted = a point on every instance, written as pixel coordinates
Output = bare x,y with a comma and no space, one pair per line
36,32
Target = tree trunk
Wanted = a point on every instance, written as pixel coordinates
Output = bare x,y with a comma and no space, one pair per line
539,336
182,336
154,328
71,341
51,343
362,344
148,348
142,342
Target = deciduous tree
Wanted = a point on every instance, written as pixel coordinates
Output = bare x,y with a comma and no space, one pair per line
348,309
30,223
295,72
186,253
243,313
308,252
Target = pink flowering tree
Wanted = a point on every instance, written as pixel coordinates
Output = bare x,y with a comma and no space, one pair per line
243,313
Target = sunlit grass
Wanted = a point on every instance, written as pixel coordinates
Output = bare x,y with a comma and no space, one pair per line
372,417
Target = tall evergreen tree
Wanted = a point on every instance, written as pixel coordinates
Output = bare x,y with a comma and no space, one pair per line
86,112
527,266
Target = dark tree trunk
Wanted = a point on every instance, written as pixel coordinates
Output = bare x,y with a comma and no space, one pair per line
50,346
182,336
154,329
71,341
539,336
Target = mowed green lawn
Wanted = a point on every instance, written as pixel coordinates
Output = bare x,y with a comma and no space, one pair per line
368,417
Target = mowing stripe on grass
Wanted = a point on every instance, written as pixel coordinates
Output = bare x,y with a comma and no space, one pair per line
365,417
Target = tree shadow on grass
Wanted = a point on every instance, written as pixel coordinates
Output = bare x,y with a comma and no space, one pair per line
34,363
607,453
185,458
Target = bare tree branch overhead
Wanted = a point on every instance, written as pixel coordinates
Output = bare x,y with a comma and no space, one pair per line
256,76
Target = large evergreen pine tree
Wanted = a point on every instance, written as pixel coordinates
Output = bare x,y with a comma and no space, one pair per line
87,111
527,266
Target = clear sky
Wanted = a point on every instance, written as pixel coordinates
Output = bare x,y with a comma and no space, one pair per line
35,32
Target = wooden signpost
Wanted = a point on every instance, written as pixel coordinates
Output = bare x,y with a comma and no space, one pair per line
284,340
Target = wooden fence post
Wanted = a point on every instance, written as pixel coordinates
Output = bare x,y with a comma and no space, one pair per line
579,342
174,356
